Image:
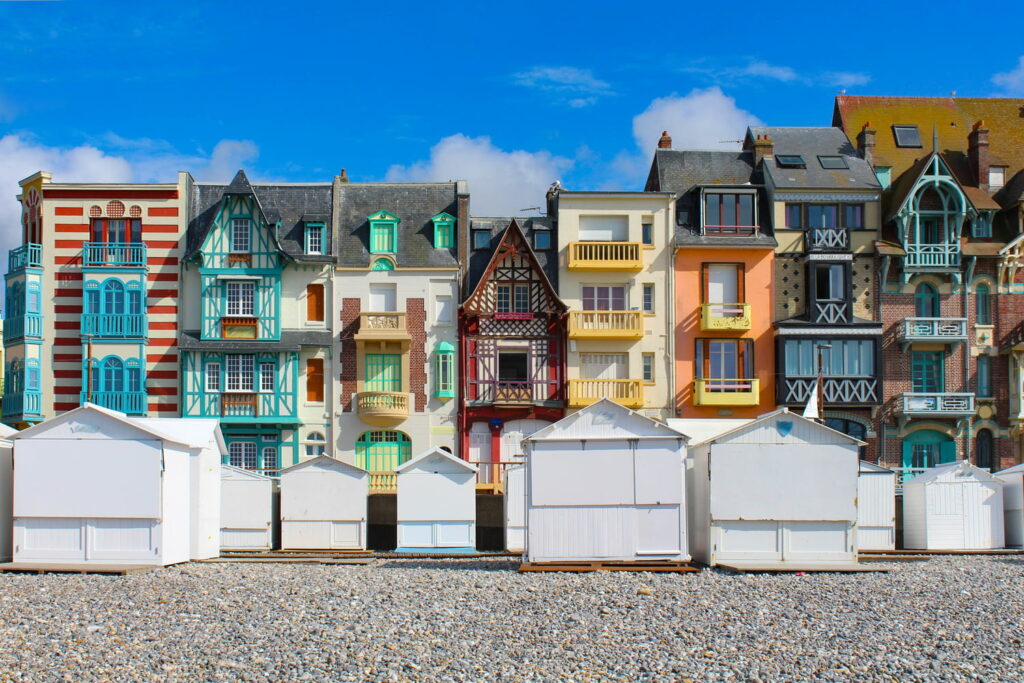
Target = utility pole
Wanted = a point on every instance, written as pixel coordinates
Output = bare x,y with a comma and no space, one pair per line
821,383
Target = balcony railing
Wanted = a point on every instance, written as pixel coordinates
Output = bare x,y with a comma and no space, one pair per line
725,317
512,392
20,405
726,392
835,390
130,402
382,326
730,230
490,474
628,392
937,404
239,327
827,239
933,255
114,325
905,473
934,330
382,408
239,405
606,325
605,256
26,256
114,254
21,326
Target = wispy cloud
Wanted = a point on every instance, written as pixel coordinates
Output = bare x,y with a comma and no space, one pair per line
755,69
576,87
1012,82
766,70
845,79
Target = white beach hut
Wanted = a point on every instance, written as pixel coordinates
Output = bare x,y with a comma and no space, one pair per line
6,491
1013,504
247,517
95,486
515,509
436,504
956,506
323,505
606,484
876,507
776,492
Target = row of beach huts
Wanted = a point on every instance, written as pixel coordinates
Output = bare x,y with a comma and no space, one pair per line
782,491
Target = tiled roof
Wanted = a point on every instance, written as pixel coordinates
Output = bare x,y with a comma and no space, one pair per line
480,258
809,143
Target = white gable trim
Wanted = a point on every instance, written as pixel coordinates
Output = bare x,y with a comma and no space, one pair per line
551,432
92,408
775,413
326,460
437,452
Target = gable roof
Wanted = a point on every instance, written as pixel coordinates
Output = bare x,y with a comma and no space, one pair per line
810,142
901,190
198,432
1011,470
701,429
93,409
479,259
605,420
959,469
782,412
232,472
436,452
328,462
873,468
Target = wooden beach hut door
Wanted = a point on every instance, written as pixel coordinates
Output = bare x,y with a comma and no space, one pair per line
480,450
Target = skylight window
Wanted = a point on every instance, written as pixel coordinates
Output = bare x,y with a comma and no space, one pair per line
907,136
832,161
790,161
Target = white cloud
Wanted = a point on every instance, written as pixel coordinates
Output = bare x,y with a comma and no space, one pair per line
766,70
502,183
703,119
845,79
563,79
1012,81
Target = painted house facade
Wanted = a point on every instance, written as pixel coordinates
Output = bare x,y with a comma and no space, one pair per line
255,344
397,283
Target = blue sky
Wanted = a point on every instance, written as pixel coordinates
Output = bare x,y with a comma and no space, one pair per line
511,96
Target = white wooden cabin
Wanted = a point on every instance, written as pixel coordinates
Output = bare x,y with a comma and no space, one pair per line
6,492
436,504
606,484
1013,505
515,509
323,505
776,492
96,486
876,507
956,506
247,518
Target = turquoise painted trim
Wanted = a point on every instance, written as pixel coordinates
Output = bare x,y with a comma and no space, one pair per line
444,231
311,230
382,264
279,406
113,254
383,232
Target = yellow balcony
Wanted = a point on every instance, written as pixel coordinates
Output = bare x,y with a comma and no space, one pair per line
382,408
378,326
628,392
605,256
728,317
726,392
606,325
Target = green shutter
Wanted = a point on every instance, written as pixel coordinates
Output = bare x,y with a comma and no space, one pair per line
383,372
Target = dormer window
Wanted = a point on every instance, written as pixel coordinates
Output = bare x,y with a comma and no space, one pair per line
729,213
996,177
906,136
314,238
383,233
241,242
790,161
444,231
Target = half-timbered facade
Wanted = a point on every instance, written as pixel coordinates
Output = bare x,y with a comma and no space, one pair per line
255,345
512,339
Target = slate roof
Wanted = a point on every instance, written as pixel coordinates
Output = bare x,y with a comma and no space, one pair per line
809,142
291,340
479,258
291,204
415,204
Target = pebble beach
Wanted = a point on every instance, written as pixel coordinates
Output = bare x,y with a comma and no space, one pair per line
477,619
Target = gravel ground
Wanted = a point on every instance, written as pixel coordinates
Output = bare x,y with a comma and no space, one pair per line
947,618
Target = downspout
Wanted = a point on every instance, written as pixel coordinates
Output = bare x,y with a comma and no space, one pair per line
670,298
967,352
880,292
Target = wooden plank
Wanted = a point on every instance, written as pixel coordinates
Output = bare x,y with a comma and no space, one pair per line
76,568
802,567
289,560
621,566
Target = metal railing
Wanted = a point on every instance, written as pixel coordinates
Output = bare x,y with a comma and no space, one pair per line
114,254
114,325
905,473
938,403
605,255
935,329
21,326
130,402
26,256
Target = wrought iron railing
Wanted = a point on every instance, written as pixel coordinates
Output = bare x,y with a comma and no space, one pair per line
21,326
935,329
130,402
938,403
114,254
838,390
26,256
114,325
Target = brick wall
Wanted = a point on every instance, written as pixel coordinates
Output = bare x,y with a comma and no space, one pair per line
415,319
349,326
790,285
863,276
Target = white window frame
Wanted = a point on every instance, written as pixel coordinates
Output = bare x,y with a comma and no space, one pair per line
439,308
241,298
237,456
240,371
315,239
320,443
648,287
267,377
1001,171
213,383
244,245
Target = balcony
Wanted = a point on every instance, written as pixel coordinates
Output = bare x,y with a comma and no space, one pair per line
937,404
240,404
605,256
380,326
725,317
20,406
821,240
382,408
606,325
113,254
730,230
130,402
939,256
26,256
22,326
941,330
836,390
114,325
239,327
512,392
726,392
627,392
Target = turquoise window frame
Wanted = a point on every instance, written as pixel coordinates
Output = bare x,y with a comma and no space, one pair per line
936,448
922,363
382,372
444,370
383,233
926,301
315,229
382,264
444,231
382,451
982,305
984,377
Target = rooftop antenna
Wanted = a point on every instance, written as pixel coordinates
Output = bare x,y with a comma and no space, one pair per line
738,142
530,208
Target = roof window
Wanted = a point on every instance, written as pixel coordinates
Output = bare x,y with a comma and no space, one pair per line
832,161
906,136
790,161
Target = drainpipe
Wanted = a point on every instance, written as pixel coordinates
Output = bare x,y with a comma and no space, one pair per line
670,298
967,354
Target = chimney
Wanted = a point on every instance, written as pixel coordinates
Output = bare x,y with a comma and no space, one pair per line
344,176
866,143
665,142
763,148
977,153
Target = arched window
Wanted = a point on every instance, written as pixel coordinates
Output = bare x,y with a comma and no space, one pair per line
316,444
849,427
381,453
983,448
926,301
112,378
382,264
982,305
928,448
269,458
92,297
113,297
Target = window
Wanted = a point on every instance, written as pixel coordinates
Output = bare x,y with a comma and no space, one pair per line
723,283
314,238
241,298
444,370
927,372
241,372
316,444
983,450
984,387
647,233
444,231
115,231
315,380
982,305
269,458
213,377
113,297
790,161
648,367
604,298
443,309
725,359
853,216
996,177
541,239
240,234
267,377
884,175
830,283
981,225
729,213
513,298
832,161
648,298
383,233
513,366
906,136
382,264
383,297
845,358
315,303
381,452
243,454
481,239
794,216
822,215
32,375
383,372
926,301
